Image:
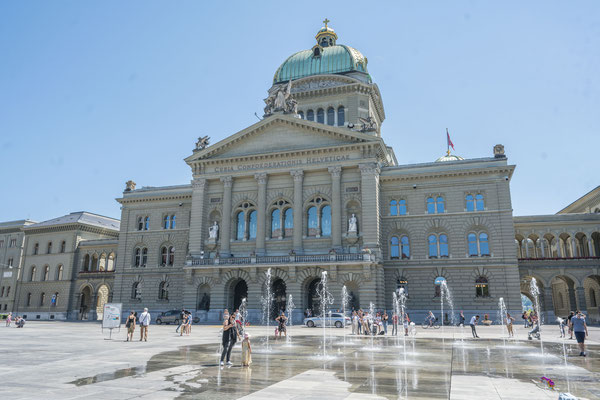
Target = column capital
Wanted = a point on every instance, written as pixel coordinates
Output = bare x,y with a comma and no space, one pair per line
198,183
369,168
261,177
298,174
335,171
227,181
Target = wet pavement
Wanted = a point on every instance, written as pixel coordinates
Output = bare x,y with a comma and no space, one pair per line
169,366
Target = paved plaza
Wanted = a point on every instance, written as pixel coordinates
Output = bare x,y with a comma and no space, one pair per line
59,360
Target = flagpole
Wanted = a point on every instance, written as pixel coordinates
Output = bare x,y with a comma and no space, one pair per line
447,142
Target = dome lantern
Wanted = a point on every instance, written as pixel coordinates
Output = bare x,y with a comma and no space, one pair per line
326,36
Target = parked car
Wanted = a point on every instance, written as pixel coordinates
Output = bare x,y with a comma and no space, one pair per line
168,317
336,319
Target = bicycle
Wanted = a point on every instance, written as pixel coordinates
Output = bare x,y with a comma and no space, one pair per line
427,323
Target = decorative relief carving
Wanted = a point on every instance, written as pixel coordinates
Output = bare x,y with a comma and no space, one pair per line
261,178
198,183
227,181
335,171
313,85
298,174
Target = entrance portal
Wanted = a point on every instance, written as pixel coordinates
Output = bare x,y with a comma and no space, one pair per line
102,300
84,304
313,301
279,298
240,291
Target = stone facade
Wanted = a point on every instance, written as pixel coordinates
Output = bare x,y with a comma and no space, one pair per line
11,255
300,194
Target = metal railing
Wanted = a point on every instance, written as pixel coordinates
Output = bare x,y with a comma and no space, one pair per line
291,259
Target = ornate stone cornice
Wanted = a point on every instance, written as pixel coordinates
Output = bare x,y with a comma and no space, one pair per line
369,169
198,183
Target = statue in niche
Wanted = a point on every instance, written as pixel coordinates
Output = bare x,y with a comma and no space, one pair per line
352,224
204,303
213,231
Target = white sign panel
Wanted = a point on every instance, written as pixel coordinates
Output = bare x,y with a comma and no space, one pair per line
112,315
7,274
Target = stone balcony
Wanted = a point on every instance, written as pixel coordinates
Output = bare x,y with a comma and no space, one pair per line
560,261
95,274
332,258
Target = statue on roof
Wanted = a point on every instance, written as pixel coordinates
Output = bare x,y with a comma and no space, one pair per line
368,124
281,100
202,142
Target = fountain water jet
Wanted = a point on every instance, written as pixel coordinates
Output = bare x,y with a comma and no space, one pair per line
325,299
289,311
503,318
345,301
266,302
445,294
243,314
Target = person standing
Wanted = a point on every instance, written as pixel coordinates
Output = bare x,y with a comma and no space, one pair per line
246,351
406,323
9,319
281,320
509,325
579,328
461,320
354,322
181,320
145,319
394,324
230,336
385,319
130,325
474,321
183,323
571,314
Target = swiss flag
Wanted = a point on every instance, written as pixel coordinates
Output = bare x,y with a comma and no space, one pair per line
450,144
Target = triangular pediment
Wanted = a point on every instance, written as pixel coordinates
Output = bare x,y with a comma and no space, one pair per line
281,133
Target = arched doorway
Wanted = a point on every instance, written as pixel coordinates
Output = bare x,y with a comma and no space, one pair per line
85,299
240,291
279,298
313,301
203,298
353,296
102,299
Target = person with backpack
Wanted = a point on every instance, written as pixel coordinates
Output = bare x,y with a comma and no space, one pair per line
145,319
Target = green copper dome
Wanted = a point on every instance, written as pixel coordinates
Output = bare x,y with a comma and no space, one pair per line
326,57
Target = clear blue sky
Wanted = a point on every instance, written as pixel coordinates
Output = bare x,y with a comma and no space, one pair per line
93,93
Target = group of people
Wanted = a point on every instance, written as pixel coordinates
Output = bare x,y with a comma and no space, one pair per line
376,323
143,321
185,323
233,330
19,321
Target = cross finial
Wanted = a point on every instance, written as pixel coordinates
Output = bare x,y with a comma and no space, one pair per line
326,21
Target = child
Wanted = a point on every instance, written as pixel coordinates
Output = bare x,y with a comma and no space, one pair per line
509,325
246,351
561,324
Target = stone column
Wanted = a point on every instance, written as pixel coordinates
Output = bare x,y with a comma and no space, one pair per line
369,182
298,176
591,246
558,249
542,250
225,237
580,295
573,246
526,245
336,207
261,178
197,217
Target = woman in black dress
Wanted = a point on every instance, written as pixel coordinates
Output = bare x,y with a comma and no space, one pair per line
230,336
282,319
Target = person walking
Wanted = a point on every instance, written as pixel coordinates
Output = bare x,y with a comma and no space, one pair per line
461,320
394,324
130,325
579,327
474,321
509,325
230,336
145,319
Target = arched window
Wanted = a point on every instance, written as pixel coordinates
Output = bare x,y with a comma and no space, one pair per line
405,247
144,257
28,299
313,221
166,221
482,287
484,245
241,226
470,202
301,114
480,205
8,291
440,205
102,263
137,260
49,249
32,274
341,116
331,116
146,223
94,266
592,295
443,245
393,207
163,256
430,205
276,224
173,222
140,223
433,246
59,273
171,255
163,291
167,255
253,222
110,265
136,291
36,248
55,300
401,207
437,284
310,115
42,298
86,263
472,244
288,222
326,221
46,273
394,248
63,246
321,116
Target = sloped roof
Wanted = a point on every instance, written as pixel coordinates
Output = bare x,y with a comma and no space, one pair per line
80,217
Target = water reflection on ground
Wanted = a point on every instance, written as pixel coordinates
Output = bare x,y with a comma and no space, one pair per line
387,367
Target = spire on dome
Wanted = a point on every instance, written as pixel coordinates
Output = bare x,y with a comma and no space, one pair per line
326,36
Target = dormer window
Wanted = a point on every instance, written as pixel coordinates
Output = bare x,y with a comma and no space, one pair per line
317,51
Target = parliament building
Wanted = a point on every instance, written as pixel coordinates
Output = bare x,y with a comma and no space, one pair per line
311,187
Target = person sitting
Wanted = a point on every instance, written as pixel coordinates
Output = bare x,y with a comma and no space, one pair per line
20,322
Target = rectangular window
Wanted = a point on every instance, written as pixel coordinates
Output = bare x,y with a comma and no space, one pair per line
13,243
1,244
